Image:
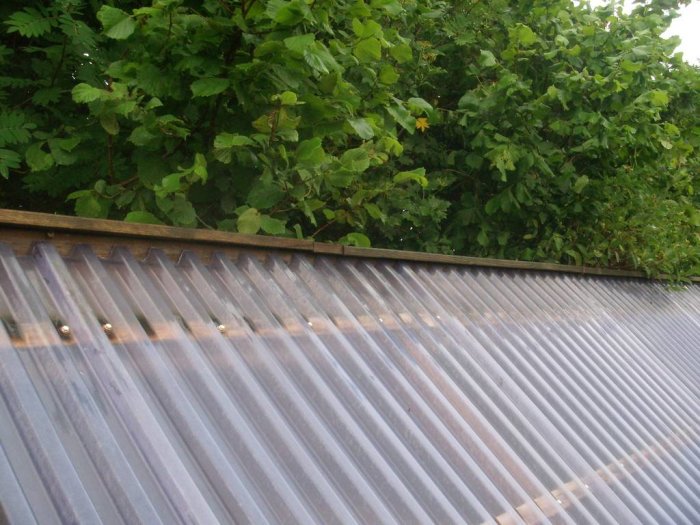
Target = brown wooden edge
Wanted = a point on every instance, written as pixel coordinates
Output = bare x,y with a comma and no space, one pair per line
84,230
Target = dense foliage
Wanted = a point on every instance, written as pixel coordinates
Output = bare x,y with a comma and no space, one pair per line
538,130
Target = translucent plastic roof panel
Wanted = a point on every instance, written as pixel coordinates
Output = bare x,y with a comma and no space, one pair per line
320,389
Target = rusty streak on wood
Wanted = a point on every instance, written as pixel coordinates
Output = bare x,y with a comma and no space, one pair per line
21,228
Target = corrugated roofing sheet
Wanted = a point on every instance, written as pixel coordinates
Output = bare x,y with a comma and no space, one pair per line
314,389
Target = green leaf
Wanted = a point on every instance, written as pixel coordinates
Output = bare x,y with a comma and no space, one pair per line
199,168
401,53
388,75
264,196
355,160
320,59
84,93
231,140
126,108
362,128
492,205
164,203
140,136
367,29
300,43
522,35
483,237
502,238
374,211
310,153
154,103
125,198
418,106
659,97
581,183
340,177
271,225
150,169
288,13
575,255
632,67
356,239
13,128
28,23
695,218
357,27
37,159
287,98
206,87
9,160
503,158
110,123
392,7
78,194
170,184
182,212
416,175
487,59
227,225
314,59
61,148
297,230
249,221
143,217
88,206
403,117
116,23
47,96
368,50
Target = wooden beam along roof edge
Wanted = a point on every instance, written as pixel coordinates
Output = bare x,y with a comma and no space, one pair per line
46,222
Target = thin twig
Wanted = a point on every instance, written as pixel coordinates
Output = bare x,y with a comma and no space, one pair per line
329,223
110,163
60,61
204,223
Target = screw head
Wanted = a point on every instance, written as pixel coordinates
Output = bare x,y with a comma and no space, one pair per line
221,328
107,327
64,329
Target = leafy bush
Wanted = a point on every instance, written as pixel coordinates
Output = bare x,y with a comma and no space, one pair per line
536,130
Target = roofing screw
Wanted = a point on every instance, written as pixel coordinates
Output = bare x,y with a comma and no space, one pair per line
64,330
221,328
558,501
107,327
310,323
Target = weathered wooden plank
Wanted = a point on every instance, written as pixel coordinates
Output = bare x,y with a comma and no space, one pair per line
22,242
21,228
379,253
108,227
328,248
